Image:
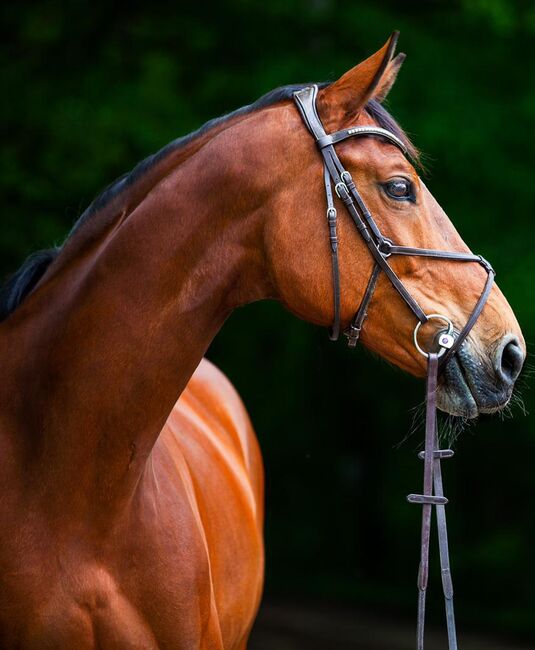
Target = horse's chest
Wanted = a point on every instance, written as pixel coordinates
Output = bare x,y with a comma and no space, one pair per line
179,566
91,608
87,612
55,597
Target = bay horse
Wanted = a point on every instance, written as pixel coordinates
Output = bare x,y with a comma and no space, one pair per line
131,520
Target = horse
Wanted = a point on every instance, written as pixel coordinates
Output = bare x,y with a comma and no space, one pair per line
129,519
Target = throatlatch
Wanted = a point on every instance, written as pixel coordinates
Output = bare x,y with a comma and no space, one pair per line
449,340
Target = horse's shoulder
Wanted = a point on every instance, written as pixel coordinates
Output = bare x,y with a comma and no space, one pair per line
210,390
210,381
211,402
209,453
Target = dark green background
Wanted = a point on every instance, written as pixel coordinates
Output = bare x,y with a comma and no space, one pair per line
90,88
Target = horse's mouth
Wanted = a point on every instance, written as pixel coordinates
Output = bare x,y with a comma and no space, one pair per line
467,388
454,395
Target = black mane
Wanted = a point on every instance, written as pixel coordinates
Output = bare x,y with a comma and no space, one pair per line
22,282
126,180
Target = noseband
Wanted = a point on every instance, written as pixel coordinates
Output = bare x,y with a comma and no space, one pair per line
449,340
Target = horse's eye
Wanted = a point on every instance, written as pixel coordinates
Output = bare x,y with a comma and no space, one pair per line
400,189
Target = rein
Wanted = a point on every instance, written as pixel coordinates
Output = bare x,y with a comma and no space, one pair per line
449,339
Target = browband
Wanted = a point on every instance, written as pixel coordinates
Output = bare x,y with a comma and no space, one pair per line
352,131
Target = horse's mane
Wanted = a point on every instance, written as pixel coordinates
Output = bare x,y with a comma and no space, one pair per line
19,285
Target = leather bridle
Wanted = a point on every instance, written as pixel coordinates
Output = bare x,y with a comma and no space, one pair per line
449,340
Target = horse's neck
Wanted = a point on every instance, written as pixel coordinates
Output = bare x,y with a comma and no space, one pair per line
100,352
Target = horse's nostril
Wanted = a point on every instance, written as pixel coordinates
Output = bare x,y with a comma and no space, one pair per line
509,360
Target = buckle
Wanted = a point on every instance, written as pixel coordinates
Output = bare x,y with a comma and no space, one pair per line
352,332
331,216
343,188
346,178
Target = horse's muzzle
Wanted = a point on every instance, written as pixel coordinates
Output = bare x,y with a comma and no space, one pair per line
472,384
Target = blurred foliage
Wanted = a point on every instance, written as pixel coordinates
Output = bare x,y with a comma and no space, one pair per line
90,88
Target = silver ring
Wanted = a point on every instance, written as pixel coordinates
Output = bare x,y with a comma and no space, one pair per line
389,244
440,317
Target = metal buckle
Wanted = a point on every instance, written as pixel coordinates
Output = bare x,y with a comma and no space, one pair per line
344,186
445,340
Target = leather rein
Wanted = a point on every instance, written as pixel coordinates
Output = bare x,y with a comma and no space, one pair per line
449,339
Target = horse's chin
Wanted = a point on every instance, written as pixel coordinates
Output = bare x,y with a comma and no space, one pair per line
467,389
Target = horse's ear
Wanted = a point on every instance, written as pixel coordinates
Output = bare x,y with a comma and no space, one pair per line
372,78
389,77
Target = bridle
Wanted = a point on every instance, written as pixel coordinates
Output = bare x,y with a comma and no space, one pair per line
449,340
380,247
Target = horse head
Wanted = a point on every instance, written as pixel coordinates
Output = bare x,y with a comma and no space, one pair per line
481,376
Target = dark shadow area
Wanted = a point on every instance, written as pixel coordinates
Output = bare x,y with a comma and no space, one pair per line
306,626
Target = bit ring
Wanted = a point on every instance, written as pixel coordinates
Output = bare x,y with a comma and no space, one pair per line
449,332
